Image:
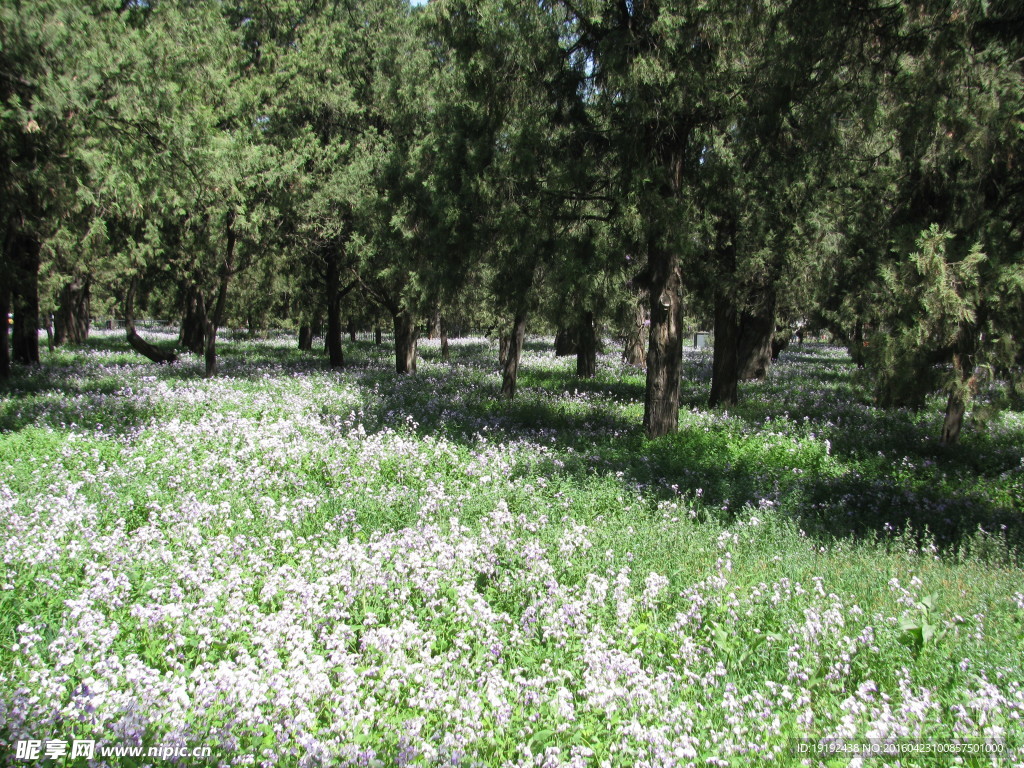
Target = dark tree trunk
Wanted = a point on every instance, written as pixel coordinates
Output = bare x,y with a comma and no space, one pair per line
754,347
25,333
445,353
434,324
72,318
566,342
305,337
503,346
335,353
210,348
255,324
780,341
5,330
405,343
352,330
725,361
378,336
633,352
513,354
665,344
214,321
586,354
857,346
193,322
135,341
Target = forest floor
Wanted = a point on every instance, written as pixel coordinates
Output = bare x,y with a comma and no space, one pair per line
289,566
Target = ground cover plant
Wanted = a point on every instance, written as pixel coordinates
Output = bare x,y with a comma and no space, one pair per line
295,566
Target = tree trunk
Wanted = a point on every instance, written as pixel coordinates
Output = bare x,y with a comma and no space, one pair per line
513,354
214,321
665,344
210,348
378,336
135,341
434,324
503,346
25,333
335,353
956,405
566,342
193,322
586,353
725,361
352,330
754,346
857,347
445,353
405,343
5,329
633,352
305,337
72,318
780,341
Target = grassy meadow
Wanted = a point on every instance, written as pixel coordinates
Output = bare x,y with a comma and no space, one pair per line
299,567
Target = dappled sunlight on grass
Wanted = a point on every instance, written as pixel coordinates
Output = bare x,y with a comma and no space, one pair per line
300,566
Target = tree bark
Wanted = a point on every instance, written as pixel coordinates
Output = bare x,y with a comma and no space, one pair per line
513,355
193,321
586,353
72,318
210,348
754,346
352,330
335,353
633,353
566,342
378,336
665,344
857,347
434,324
135,341
25,300
780,341
725,355
305,337
503,346
725,360
445,353
214,321
5,329
956,405
405,343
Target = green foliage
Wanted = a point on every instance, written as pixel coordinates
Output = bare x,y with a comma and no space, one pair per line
933,297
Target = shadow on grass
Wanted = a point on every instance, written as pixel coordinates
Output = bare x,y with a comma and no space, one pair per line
566,381
86,406
881,474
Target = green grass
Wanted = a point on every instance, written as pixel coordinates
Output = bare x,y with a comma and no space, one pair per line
410,566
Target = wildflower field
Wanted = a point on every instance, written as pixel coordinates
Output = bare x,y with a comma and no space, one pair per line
297,567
